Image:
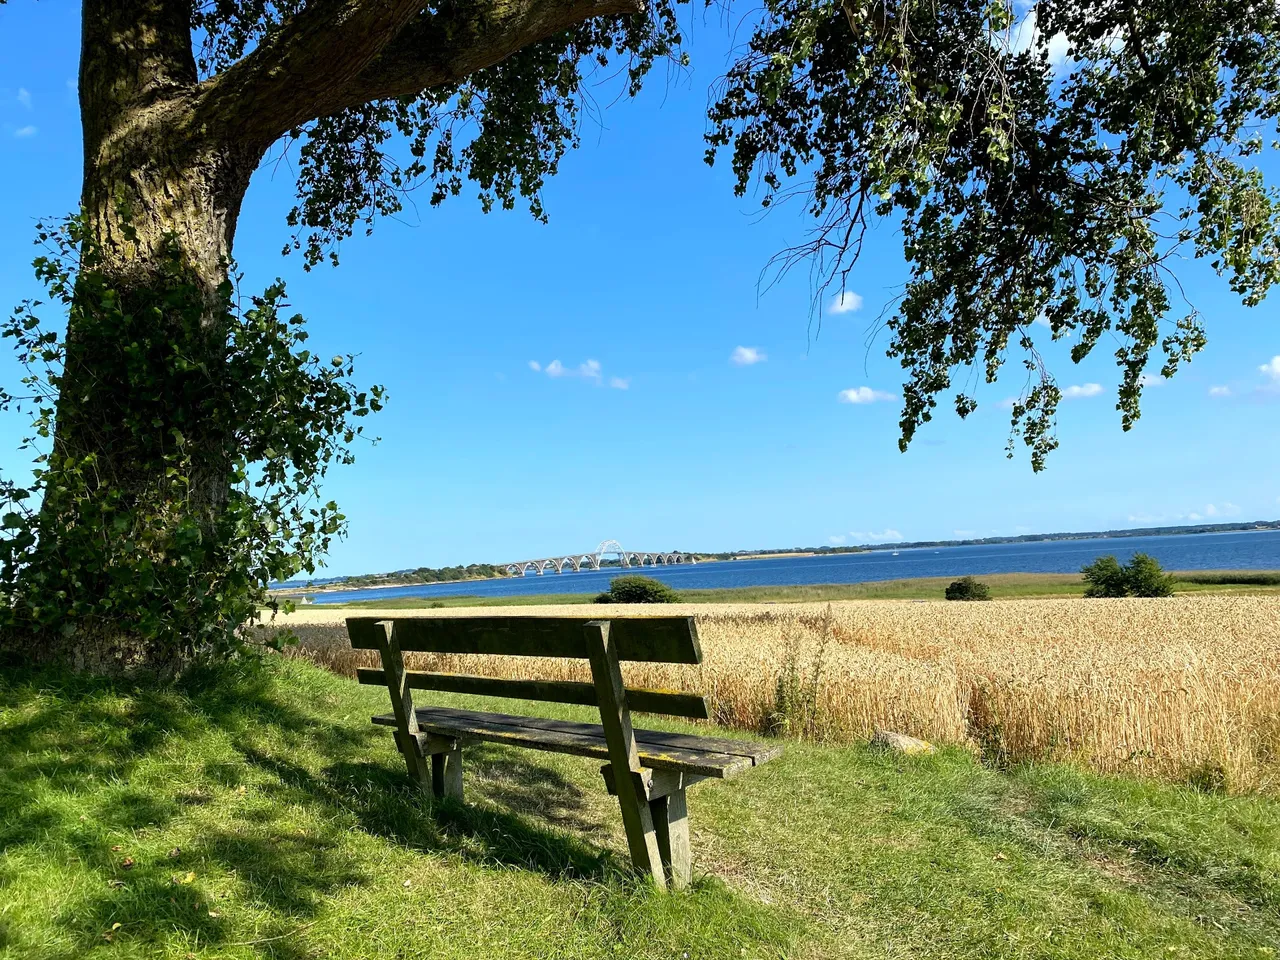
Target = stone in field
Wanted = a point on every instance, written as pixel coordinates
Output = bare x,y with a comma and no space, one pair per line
901,743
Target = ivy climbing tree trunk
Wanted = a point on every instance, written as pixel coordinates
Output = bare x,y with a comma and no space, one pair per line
160,199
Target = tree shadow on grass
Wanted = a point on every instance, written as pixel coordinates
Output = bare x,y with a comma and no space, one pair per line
74,747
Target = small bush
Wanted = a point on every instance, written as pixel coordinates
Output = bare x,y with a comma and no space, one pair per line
967,588
1142,576
634,588
1105,578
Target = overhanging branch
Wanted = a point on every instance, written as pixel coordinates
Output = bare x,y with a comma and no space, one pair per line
338,54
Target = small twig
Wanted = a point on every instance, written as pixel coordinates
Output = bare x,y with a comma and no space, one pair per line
250,943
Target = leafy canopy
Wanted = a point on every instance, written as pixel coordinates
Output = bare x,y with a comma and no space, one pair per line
1025,185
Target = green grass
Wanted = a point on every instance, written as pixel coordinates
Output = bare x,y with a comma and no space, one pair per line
263,816
1004,586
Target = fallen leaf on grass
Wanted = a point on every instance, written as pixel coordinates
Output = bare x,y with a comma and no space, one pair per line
185,878
127,863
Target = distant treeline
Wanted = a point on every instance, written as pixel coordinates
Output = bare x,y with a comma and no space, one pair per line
1090,535
1020,538
472,571
766,553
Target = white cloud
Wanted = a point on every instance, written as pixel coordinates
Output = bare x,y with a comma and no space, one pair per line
1219,391
1151,380
1059,55
746,356
590,370
837,539
1082,390
1194,516
864,395
1043,321
884,536
24,97
24,132
847,302
1272,369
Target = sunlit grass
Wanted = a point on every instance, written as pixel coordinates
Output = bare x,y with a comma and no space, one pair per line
262,815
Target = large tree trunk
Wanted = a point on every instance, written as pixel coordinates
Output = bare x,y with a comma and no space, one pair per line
160,200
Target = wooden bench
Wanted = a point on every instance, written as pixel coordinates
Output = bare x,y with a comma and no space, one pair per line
648,770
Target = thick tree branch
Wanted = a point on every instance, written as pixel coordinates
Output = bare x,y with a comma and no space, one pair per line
358,50
448,46
315,53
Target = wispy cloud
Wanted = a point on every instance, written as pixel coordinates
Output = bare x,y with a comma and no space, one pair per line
836,540
1272,369
24,97
1077,391
589,370
1213,512
746,356
864,395
870,536
1219,391
1151,380
847,302
24,132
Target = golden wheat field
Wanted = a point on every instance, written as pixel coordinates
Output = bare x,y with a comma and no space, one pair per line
1183,688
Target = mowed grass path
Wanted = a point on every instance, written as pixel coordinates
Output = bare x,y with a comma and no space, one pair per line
263,816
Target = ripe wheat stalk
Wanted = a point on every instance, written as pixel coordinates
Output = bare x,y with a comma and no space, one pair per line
1181,688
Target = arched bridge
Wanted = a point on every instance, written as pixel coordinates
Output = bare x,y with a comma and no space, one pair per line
592,561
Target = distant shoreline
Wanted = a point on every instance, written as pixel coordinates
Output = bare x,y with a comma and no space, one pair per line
1254,526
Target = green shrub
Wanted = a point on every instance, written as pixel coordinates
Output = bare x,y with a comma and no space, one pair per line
1146,578
967,588
634,588
1105,578
1142,576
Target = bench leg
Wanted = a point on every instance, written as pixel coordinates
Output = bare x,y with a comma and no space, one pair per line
671,824
642,835
446,773
414,760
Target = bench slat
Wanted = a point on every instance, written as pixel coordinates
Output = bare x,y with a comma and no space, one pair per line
513,730
638,639
757,753
667,702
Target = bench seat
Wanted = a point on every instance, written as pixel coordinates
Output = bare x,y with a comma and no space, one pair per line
701,756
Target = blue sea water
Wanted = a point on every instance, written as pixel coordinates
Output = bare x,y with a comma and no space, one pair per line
1215,551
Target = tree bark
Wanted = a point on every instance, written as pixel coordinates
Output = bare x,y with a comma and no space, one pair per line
158,192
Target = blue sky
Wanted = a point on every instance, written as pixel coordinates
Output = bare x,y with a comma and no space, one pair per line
691,410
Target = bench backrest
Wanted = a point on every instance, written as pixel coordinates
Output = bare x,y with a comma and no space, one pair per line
637,639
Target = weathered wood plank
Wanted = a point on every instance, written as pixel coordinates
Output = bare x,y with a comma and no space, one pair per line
667,702
755,753
406,718
446,773
504,728
671,824
638,639
659,783
637,817
650,743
